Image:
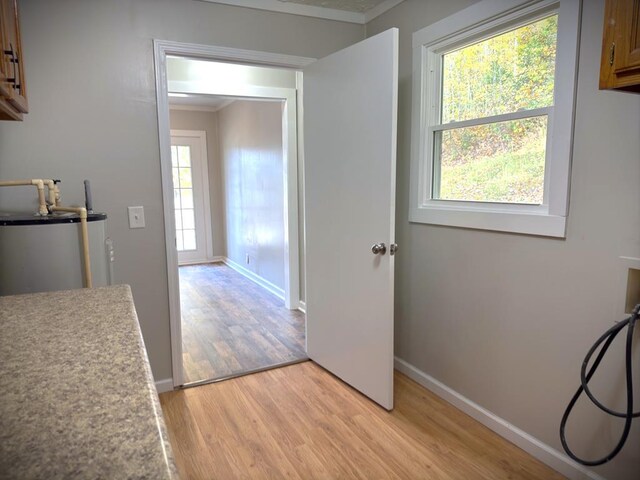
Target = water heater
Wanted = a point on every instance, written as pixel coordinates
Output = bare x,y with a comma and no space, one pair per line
44,253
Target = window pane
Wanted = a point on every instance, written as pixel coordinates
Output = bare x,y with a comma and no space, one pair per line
189,239
184,156
178,220
174,156
176,198
185,178
506,73
187,198
498,162
175,177
179,242
188,219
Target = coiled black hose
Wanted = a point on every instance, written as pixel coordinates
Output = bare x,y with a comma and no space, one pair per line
585,376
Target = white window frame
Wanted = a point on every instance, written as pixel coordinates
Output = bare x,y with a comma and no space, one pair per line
490,17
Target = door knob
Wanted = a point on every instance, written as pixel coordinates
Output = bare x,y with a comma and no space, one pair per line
379,249
393,248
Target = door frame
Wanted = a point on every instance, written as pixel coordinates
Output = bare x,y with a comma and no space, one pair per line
201,137
293,159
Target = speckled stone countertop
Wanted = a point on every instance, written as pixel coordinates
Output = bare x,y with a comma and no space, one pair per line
77,398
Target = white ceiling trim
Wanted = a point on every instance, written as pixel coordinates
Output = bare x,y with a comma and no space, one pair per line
191,108
313,11
200,108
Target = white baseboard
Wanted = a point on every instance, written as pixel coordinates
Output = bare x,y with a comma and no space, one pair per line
201,262
165,385
543,452
303,306
267,285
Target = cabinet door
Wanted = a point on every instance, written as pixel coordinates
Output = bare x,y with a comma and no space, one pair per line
632,49
7,111
13,82
620,65
5,87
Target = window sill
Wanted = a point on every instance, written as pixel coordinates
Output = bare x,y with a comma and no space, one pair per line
516,221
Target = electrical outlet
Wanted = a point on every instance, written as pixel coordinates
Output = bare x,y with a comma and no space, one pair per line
633,289
136,217
628,286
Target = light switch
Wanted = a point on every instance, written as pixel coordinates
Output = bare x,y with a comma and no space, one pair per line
136,217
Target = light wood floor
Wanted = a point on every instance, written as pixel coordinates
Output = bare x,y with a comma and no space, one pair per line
300,422
232,325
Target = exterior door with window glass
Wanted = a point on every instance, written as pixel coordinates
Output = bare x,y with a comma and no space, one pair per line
190,196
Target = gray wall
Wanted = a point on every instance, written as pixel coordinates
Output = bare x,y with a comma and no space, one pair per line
507,319
89,69
208,122
251,152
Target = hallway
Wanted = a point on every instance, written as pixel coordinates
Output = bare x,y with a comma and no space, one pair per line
231,325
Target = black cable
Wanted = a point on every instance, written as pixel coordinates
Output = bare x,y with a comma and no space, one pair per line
584,380
585,377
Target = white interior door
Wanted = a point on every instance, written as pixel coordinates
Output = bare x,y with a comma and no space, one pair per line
191,196
350,112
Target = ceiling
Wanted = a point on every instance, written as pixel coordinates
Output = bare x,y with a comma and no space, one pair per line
353,11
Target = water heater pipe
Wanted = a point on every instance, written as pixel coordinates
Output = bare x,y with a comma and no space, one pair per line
54,192
54,206
82,212
39,184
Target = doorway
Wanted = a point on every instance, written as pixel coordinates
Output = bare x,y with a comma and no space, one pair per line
198,85
228,175
350,105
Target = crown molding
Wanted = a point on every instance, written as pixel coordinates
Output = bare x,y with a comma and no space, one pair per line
311,10
200,108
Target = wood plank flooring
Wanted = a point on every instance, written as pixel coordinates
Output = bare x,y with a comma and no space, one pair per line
231,325
300,422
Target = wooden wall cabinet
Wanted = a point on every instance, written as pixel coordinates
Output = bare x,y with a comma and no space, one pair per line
13,88
620,63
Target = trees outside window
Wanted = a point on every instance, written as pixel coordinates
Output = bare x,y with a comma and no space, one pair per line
493,118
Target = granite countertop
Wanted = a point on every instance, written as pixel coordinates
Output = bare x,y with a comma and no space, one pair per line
77,398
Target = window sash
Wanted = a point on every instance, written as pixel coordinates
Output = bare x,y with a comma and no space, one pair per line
504,117
433,149
432,91
434,70
434,54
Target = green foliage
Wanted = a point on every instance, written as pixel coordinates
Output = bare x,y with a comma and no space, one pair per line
515,176
505,73
461,145
510,72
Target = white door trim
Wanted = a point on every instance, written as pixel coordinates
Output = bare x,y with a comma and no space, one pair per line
201,135
161,49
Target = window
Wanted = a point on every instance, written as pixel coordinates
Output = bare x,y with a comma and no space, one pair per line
493,117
